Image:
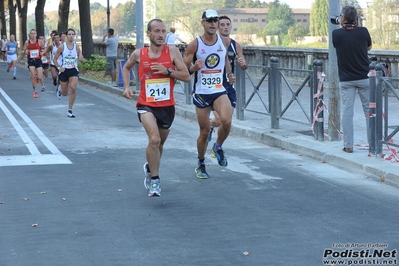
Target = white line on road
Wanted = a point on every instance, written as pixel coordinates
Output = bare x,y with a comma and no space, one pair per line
36,157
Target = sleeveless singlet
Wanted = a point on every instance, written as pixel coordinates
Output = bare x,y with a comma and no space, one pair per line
156,90
12,48
69,57
34,50
53,51
209,79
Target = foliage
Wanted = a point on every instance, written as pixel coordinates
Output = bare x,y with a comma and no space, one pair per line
191,22
279,19
95,63
296,33
122,19
319,18
249,4
246,31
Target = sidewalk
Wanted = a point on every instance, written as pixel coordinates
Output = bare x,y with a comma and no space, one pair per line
297,137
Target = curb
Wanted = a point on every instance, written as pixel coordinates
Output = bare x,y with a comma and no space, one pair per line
288,141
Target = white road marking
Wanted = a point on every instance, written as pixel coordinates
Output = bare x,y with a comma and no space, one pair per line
36,157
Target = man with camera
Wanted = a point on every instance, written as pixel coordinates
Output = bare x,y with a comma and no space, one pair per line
352,43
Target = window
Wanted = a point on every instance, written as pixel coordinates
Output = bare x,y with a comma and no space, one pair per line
235,20
298,20
263,20
305,20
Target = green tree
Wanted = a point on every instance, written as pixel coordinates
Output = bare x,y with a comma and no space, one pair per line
124,18
382,23
226,4
279,19
296,33
246,32
319,18
191,21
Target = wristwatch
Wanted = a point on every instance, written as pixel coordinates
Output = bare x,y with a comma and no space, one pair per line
169,71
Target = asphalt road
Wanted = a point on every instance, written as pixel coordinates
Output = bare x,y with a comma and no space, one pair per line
71,193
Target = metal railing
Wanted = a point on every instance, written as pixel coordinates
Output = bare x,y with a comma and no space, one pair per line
277,81
266,84
380,89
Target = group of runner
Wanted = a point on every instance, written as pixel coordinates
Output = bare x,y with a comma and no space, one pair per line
60,54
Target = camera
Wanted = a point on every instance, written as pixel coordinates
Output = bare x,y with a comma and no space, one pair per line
335,20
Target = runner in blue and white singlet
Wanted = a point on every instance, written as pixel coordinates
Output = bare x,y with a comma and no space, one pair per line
206,57
209,79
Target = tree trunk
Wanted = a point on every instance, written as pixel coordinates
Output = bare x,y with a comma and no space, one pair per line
22,16
85,27
39,16
2,19
63,15
13,22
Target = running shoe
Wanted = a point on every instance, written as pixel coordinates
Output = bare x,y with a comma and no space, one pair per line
219,155
8,69
201,172
147,174
58,92
14,77
210,134
70,114
155,188
35,94
55,82
43,89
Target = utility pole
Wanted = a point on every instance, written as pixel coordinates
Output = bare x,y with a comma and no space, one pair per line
139,24
334,9
108,13
139,33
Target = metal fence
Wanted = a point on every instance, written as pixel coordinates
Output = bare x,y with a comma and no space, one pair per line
381,90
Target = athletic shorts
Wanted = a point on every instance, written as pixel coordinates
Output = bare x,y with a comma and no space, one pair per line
45,66
64,76
163,115
206,100
231,92
110,65
11,58
37,63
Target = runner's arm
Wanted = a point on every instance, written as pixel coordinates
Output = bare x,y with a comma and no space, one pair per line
240,57
188,59
181,72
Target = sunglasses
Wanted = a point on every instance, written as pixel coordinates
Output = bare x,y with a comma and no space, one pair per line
210,20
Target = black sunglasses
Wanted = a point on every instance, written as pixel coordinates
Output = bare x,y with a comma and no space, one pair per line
210,20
